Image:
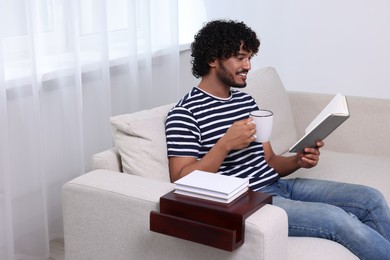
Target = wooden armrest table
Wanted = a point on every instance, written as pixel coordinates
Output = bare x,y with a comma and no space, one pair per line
210,223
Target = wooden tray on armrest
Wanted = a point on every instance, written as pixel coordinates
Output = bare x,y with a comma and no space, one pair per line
210,223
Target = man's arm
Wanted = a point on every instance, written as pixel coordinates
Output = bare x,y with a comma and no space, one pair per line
238,136
286,165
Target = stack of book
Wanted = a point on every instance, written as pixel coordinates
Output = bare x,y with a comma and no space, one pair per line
211,186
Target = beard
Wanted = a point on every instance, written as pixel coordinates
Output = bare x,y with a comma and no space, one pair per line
228,78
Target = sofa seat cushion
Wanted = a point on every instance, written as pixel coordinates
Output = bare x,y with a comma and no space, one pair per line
351,168
140,140
316,248
342,167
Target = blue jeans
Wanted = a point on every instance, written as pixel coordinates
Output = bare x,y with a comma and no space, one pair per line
355,216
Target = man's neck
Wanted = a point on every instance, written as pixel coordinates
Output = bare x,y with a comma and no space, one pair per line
214,87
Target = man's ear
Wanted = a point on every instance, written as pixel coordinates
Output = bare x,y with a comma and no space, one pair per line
212,63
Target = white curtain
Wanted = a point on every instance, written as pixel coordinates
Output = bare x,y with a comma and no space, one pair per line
66,66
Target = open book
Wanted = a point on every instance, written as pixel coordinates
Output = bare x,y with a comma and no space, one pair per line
332,116
211,186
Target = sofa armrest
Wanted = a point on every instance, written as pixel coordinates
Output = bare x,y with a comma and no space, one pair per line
108,160
106,216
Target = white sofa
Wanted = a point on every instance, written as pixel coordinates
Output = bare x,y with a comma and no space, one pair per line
106,212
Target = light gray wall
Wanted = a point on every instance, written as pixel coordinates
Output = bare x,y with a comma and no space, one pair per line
319,46
187,80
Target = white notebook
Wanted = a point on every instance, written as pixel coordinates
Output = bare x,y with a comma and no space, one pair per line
210,185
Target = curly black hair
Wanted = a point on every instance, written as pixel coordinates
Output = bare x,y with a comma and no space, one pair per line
220,39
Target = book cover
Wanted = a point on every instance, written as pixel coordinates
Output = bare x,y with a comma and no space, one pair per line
331,117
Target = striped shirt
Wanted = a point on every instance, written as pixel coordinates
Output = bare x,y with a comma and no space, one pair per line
199,120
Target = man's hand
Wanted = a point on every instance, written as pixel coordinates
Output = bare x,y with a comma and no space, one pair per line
310,156
239,135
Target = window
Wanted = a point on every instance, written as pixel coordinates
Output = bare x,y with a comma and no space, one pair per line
42,36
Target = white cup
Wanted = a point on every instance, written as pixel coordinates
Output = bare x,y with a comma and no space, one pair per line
264,120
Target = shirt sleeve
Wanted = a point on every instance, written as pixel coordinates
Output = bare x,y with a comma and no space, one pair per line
182,133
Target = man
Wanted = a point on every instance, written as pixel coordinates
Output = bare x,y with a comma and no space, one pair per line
210,130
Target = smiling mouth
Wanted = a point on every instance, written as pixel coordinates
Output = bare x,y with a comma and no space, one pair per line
243,74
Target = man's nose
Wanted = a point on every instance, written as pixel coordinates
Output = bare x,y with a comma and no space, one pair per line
247,64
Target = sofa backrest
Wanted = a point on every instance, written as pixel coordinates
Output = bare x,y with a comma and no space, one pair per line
267,89
140,137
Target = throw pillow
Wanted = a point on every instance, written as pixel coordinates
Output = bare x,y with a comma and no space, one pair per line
140,140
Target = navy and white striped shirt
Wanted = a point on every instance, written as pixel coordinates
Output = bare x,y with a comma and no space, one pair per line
199,120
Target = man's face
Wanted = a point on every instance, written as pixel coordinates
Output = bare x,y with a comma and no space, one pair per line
233,71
